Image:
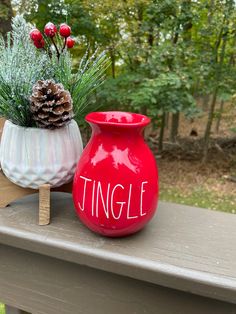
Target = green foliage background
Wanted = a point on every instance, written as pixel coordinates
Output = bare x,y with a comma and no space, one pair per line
164,54
2,309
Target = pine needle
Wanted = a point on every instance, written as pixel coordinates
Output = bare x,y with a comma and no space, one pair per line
22,65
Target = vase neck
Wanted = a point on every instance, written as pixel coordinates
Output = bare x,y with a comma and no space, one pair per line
116,130
117,122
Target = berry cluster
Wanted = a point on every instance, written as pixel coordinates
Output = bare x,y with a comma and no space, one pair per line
50,30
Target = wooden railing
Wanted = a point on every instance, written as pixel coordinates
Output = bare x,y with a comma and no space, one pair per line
184,261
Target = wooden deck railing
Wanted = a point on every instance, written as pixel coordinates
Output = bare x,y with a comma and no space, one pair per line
183,262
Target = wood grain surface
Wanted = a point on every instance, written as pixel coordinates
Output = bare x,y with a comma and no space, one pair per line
45,285
10,191
183,248
44,204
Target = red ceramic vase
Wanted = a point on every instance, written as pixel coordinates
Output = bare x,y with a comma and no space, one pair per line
115,187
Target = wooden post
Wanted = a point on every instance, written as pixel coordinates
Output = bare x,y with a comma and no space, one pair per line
44,204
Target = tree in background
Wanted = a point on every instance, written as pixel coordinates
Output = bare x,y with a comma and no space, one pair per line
5,16
164,54
155,78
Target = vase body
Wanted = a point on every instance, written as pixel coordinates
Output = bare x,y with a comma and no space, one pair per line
115,188
31,157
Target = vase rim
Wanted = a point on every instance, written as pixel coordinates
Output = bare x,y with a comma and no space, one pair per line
118,118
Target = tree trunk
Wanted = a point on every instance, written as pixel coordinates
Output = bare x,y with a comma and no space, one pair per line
232,55
205,102
143,110
196,88
162,130
219,116
5,16
211,11
150,37
186,34
167,120
174,127
140,11
209,124
222,37
113,66
187,25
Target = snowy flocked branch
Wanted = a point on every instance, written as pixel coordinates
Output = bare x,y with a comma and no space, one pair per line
22,65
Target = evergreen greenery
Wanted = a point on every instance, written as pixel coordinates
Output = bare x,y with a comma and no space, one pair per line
22,65
83,82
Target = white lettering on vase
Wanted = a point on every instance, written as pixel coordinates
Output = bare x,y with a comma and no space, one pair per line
85,183
107,196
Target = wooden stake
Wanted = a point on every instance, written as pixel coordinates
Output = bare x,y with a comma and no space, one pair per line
44,204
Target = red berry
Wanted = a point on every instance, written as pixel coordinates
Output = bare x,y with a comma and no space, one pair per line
70,42
50,29
39,43
65,30
36,35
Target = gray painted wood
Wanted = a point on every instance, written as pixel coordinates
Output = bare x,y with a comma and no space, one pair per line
183,248
46,285
13,310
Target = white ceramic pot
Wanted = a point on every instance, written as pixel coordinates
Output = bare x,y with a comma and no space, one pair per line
31,157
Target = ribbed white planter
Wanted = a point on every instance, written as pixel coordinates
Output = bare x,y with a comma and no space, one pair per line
31,157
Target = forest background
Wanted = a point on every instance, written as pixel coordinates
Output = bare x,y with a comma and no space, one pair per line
174,61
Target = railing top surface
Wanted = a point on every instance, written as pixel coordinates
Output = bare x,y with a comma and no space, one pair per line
184,248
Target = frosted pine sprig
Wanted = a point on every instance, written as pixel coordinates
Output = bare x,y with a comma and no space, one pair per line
22,65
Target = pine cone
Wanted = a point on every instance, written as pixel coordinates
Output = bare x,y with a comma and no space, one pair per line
51,105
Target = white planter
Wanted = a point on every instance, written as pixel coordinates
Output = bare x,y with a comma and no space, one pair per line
31,157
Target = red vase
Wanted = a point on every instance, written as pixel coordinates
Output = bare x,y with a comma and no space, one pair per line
115,187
